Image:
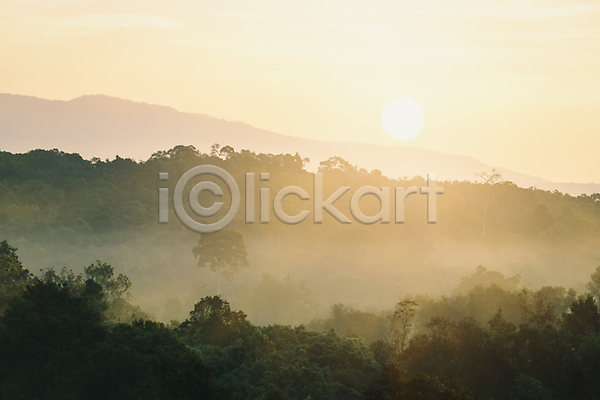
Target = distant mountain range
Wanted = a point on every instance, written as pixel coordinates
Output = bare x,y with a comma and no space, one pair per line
103,126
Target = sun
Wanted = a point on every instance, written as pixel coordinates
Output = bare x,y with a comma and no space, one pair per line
403,118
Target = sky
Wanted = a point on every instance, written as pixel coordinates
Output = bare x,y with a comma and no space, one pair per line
515,84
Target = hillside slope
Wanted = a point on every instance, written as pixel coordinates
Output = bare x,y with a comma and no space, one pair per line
102,126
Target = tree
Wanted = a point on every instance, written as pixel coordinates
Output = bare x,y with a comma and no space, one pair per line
54,344
400,324
382,351
213,322
103,274
47,337
594,284
112,291
215,149
526,388
223,252
13,277
350,322
489,178
582,317
394,385
486,278
535,308
260,345
65,279
500,326
147,360
336,164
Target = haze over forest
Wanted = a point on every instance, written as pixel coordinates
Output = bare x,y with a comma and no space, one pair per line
61,210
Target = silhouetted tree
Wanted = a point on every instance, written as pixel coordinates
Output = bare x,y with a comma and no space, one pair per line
223,252
103,274
213,322
583,317
13,277
393,385
400,324
489,178
47,337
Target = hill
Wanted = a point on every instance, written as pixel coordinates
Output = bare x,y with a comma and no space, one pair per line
102,126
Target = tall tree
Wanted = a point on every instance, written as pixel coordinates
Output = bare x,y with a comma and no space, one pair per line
400,324
535,308
223,252
489,178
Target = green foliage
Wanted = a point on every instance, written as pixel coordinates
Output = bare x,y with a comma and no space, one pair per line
64,210
583,317
65,279
352,323
526,388
13,277
55,345
383,351
109,294
102,274
260,346
293,362
594,284
145,360
58,340
393,385
63,336
400,324
536,309
213,322
47,337
546,356
485,279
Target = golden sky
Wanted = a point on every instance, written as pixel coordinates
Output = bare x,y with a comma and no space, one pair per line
515,84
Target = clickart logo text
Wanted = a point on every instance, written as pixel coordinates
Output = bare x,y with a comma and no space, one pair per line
320,204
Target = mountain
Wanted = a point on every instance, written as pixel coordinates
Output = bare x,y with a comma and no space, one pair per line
103,126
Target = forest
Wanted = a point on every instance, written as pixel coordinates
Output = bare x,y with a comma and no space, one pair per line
65,335
331,311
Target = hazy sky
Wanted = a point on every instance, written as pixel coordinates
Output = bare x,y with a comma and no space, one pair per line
513,83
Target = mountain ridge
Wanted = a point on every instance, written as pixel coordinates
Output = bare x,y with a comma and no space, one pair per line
99,125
